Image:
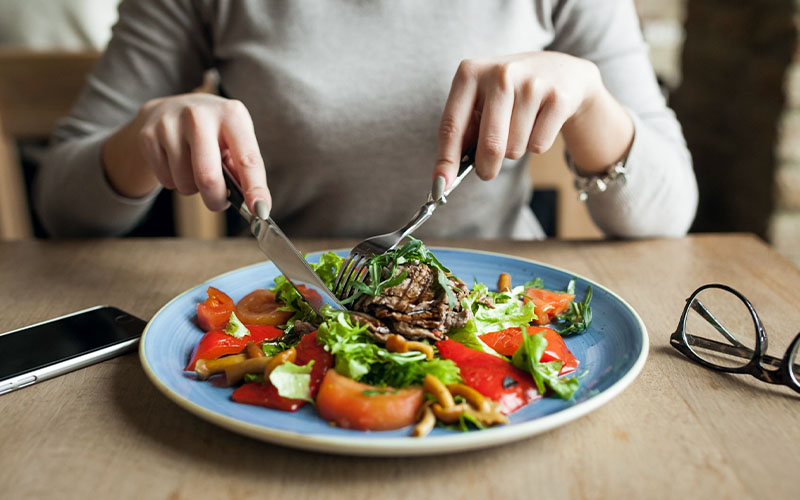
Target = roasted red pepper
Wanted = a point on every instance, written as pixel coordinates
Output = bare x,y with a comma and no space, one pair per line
493,377
213,314
547,303
506,342
216,344
309,350
254,393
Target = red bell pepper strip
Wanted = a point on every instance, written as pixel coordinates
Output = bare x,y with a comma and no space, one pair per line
216,344
254,393
309,350
265,394
506,342
493,377
547,303
213,314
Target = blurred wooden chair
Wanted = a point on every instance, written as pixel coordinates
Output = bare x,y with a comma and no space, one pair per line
36,89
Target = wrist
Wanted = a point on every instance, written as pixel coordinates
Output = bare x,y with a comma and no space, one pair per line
125,169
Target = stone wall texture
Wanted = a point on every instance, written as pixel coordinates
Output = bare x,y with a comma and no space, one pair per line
739,104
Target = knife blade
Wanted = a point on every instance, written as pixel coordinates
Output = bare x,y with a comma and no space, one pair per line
280,250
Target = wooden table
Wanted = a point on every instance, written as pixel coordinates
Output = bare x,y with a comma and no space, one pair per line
679,431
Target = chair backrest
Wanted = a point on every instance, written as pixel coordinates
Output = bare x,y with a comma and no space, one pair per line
36,89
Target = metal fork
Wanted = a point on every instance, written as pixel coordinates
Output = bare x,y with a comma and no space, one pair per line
355,265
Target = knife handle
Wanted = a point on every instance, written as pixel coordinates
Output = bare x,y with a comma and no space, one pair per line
235,195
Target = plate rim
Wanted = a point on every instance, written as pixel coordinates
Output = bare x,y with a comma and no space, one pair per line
396,446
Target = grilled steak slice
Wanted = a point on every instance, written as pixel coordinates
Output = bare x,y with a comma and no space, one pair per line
417,307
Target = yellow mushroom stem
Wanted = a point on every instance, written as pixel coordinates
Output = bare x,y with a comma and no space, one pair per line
235,373
473,397
207,367
398,343
434,386
253,350
426,422
504,282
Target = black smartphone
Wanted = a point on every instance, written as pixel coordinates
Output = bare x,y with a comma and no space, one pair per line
57,346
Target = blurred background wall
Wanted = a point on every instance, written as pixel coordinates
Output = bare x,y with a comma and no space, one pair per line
729,69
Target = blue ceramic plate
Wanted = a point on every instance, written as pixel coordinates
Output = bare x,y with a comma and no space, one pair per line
611,353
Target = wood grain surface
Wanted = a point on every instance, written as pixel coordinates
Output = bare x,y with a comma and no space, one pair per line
679,431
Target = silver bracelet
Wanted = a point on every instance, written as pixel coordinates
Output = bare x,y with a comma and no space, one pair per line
597,183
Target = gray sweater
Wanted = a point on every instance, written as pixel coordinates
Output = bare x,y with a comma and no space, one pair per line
346,97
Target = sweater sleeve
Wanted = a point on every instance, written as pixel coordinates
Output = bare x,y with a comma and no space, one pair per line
157,49
660,195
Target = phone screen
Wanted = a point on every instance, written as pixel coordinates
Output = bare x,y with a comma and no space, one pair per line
58,340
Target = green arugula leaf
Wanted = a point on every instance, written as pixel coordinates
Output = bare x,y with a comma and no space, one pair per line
578,317
235,328
383,273
544,374
293,381
271,349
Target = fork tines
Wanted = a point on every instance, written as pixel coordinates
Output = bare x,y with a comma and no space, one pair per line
353,269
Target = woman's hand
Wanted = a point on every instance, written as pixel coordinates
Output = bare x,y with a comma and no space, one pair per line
180,142
520,103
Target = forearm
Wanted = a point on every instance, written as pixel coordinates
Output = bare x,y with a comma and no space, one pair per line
123,163
599,134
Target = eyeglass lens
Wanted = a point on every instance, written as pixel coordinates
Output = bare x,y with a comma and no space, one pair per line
720,328
795,363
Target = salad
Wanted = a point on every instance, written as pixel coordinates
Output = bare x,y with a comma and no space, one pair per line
418,347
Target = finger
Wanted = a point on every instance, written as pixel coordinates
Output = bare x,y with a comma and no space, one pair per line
456,117
201,133
178,156
155,156
240,138
493,133
526,105
549,121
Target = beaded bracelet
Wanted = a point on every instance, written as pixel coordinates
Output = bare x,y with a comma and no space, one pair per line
597,183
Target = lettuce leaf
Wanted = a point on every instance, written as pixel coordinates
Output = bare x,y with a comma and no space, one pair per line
327,268
292,381
357,356
235,328
544,374
509,311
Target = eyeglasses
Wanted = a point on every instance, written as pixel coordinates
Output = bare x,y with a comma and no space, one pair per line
720,329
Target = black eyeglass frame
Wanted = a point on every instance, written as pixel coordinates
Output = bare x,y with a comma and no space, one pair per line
783,375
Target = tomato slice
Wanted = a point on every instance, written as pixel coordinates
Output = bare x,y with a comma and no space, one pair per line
217,343
493,377
547,303
309,350
353,405
259,307
213,314
267,395
506,342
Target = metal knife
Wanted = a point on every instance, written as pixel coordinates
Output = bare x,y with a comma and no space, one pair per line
274,243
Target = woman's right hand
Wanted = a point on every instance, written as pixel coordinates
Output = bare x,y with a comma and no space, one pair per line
180,142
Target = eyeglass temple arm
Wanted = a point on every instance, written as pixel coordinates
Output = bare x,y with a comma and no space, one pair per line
740,350
706,314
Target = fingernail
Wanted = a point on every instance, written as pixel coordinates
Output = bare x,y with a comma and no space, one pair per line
262,209
439,183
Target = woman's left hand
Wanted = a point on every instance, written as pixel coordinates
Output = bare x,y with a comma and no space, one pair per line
515,104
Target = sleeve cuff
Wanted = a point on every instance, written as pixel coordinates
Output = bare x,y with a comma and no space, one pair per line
73,195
